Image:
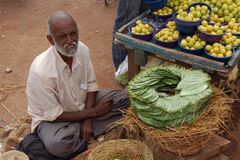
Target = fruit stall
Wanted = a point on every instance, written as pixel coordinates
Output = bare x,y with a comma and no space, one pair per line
202,41
201,36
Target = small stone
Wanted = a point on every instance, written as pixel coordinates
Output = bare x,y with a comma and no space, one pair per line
97,31
3,35
8,70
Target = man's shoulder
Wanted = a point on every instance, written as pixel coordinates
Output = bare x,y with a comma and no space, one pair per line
46,55
82,48
43,61
82,45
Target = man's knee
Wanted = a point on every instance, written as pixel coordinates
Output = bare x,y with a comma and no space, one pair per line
60,148
63,142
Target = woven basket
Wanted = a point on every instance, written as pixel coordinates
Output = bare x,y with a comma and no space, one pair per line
188,139
121,149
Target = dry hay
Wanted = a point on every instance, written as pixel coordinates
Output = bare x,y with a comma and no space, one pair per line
187,139
12,134
121,149
231,85
4,93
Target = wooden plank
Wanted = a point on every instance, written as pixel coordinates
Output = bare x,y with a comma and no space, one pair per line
235,58
133,68
140,57
166,52
141,61
222,72
117,42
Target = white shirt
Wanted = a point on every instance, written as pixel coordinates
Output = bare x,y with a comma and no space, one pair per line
53,89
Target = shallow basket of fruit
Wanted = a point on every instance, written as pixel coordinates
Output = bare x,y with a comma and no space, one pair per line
192,44
219,52
141,30
187,21
164,14
229,39
170,23
234,28
166,37
211,33
200,8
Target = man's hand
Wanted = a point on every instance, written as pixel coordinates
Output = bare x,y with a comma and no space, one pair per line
87,130
103,107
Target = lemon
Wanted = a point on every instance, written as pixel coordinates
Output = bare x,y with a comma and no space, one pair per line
208,47
175,36
138,22
228,47
220,55
183,43
229,53
214,54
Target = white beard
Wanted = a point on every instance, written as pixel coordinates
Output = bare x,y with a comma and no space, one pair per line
67,50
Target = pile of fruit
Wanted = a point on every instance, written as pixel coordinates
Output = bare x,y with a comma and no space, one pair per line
142,28
230,39
167,35
192,43
219,50
205,22
164,11
233,27
211,28
171,24
196,13
223,10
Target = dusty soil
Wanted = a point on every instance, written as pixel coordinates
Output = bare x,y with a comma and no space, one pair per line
23,29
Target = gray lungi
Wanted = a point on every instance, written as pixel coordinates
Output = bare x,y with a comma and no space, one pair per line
63,138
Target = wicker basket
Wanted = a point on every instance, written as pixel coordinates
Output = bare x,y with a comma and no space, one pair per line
188,139
121,149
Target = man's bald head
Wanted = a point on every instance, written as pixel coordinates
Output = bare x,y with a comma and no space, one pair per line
63,33
59,18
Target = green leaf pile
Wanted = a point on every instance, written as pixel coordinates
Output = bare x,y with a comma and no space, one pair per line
187,94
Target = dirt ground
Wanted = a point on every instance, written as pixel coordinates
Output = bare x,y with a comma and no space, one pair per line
23,29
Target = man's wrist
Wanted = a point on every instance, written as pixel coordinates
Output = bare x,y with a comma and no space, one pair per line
92,113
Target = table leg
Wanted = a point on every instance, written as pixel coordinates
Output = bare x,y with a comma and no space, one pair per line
133,68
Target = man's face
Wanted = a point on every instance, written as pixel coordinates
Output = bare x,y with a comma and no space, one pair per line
65,37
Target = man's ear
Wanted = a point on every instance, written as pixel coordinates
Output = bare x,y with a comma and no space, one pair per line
50,39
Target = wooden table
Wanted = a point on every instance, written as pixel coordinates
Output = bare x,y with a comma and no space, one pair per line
139,50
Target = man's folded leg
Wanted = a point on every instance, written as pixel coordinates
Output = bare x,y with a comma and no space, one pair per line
120,102
61,139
